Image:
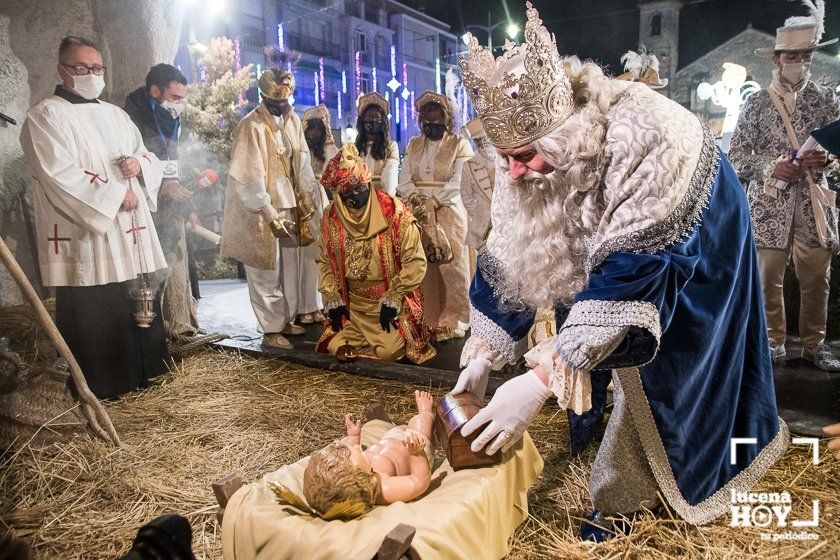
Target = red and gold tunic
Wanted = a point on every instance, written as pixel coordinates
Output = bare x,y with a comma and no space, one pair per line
389,267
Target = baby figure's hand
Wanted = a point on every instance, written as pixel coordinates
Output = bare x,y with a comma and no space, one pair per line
354,427
415,443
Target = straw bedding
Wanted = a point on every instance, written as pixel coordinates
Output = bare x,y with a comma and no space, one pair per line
222,413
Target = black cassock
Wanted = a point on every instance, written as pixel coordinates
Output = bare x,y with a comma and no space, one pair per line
98,324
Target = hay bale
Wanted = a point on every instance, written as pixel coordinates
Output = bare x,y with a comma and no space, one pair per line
35,405
20,325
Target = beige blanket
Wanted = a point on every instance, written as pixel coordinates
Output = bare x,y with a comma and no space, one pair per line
467,514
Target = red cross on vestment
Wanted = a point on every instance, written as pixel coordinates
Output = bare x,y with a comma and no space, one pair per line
95,177
134,230
55,238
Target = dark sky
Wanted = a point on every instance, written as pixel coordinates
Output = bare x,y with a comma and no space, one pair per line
605,29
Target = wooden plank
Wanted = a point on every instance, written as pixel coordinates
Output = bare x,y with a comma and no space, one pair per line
226,487
409,373
375,411
396,543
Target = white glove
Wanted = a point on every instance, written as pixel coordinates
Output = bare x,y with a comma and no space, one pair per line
510,412
474,378
585,347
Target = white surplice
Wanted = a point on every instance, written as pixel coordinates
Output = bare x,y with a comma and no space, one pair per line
83,236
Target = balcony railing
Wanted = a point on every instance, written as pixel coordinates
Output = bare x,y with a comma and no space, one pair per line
310,45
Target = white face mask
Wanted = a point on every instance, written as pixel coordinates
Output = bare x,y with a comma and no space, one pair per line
175,109
89,86
795,72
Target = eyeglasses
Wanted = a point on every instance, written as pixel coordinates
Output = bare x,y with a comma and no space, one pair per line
82,70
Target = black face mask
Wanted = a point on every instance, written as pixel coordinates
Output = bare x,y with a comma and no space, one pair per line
277,108
313,142
373,127
434,131
356,200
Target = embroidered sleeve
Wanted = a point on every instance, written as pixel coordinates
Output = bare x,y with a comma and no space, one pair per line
326,279
747,157
503,325
412,261
620,330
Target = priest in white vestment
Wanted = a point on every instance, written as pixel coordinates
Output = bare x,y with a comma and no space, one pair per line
94,187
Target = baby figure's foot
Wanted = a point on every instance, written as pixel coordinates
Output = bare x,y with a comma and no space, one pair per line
425,402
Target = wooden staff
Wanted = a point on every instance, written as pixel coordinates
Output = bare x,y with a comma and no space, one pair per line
92,408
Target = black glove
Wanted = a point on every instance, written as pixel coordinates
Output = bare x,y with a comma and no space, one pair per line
335,317
387,315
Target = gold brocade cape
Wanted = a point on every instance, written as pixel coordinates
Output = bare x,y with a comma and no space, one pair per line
334,236
257,156
445,157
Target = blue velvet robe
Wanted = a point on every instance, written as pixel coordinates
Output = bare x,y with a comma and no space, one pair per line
708,377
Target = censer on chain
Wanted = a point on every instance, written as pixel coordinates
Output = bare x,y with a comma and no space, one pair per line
145,311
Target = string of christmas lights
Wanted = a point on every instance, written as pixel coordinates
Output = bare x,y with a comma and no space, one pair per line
358,74
321,77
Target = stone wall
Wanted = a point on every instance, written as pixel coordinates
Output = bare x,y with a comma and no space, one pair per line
132,37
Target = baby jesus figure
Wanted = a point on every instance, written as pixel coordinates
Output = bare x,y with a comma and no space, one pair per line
344,480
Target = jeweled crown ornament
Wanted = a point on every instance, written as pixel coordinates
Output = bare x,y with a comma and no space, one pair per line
373,98
523,94
278,82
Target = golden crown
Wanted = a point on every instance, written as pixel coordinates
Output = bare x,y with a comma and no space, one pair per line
373,98
317,112
518,109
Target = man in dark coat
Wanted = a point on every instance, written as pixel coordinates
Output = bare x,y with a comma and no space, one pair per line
156,108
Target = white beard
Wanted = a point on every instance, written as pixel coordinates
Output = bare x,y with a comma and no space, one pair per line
541,223
541,253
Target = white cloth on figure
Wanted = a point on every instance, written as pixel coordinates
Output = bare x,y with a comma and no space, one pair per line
83,236
274,294
386,172
477,193
448,193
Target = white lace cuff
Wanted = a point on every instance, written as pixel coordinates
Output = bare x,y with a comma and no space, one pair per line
571,386
332,301
477,347
768,168
391,299
595,328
